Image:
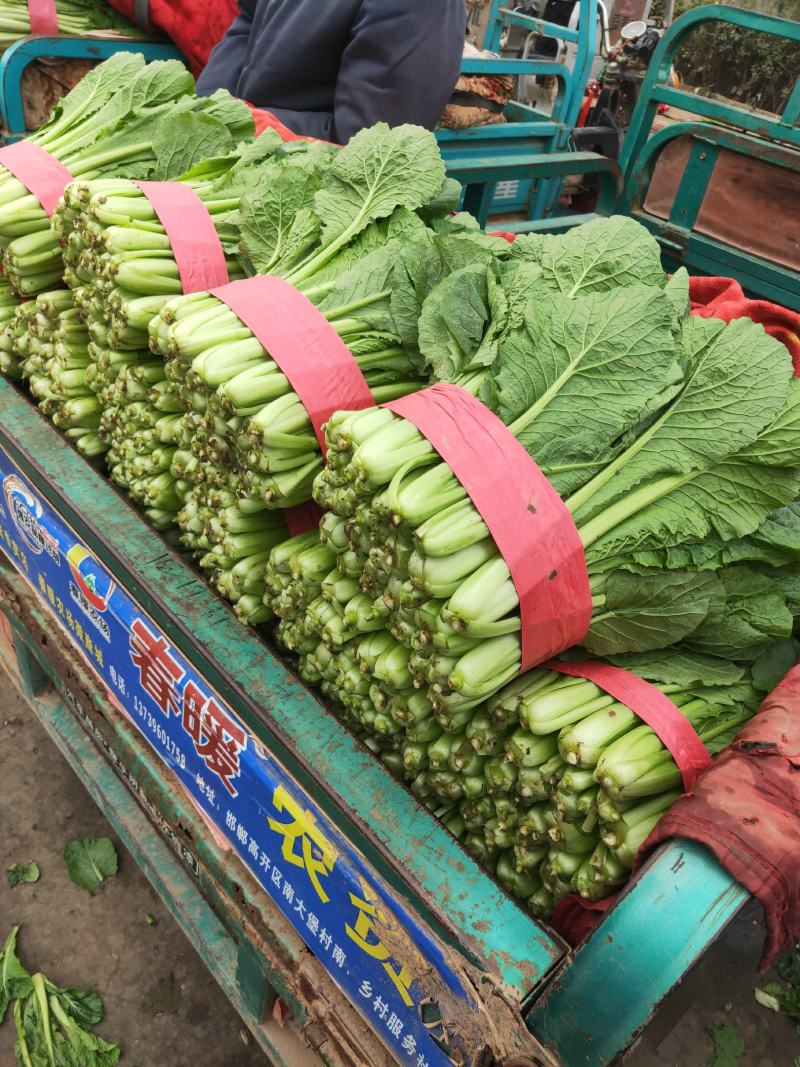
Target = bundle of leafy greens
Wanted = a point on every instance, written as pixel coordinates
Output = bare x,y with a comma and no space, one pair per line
673,444
54,1026
129,119
122,270
75,19
655,428
362,233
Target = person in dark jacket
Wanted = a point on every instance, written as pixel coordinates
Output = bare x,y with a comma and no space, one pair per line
328,68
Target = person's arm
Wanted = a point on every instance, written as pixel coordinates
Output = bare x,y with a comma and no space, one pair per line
224,67
400,65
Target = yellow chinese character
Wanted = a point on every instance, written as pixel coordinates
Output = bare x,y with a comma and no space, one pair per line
367,911
24,561
79,630
8,539
98,655
70,620
51,596
15,549
303,826
59,605
88,643
43,585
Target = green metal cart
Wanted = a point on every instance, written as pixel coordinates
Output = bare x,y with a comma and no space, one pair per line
343,921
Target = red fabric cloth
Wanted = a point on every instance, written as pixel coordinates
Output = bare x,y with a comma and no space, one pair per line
194,26
723,298
746,810
265,120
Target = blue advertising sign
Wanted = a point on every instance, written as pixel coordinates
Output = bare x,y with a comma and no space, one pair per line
339,906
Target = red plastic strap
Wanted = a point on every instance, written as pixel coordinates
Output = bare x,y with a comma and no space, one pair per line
195,242
43,17
318,364
526,517
653,707
41,174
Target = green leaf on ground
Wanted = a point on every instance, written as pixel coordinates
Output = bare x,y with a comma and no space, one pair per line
15,982
19,873
728,1046
90,860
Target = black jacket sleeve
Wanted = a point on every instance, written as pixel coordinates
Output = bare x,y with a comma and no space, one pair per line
227,59
400,65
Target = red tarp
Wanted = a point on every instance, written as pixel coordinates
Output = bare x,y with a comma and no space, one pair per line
746,810
194,26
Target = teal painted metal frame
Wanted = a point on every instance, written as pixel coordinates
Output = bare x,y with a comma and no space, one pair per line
719,126
528,132
21,54
597,1005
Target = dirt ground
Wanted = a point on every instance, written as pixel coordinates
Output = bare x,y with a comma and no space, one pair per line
164,1008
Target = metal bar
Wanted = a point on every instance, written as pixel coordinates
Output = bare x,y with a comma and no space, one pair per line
694,183
791,113
523,137
543,67
533,25
658,71
595,1007
758,277
752,121
22,53
547,192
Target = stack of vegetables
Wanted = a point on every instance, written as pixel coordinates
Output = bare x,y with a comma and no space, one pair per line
128,119
51,344
75,19
123,270
673,443
136,119
361,234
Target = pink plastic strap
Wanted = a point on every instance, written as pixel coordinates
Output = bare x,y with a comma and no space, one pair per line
526,517
195,243
319,366
302,518
41,174
653,707
43,18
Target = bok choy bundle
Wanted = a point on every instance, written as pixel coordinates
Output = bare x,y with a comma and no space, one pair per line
129,119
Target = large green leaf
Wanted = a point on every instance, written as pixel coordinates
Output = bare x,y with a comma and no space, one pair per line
736,384
15,982
679,666
603,255
453,321
180,142
94,91
651,611
90,860
379,170
575,375
753,614
270,212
